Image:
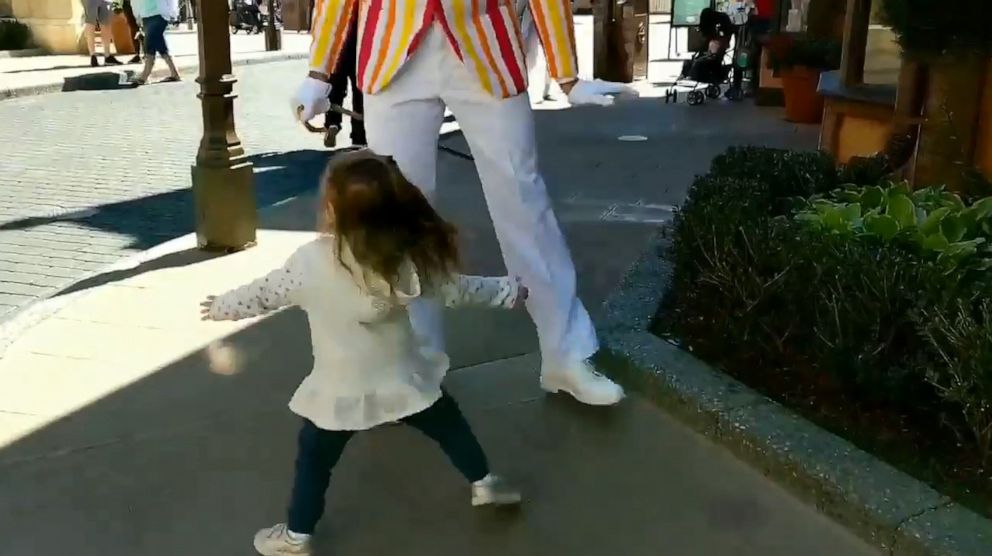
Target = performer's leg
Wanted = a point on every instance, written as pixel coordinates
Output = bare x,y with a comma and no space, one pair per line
500,133
403,121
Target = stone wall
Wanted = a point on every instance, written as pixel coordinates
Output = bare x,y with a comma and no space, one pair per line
56,25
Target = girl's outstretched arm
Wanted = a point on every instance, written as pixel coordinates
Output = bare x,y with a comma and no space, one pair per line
268,293
502,293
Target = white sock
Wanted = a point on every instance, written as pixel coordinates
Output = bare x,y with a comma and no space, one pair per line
296,537
485,481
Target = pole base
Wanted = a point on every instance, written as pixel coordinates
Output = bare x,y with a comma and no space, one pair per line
273,39
224,198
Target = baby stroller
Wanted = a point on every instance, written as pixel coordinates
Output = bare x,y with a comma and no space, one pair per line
710,67
246,16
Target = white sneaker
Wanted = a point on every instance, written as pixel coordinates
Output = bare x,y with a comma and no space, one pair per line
494,491
277,541
583,382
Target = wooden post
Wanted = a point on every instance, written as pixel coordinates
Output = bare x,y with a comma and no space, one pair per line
223,182
852,64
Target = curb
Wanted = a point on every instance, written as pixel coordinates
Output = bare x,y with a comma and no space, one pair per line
883,505
23,53
46,88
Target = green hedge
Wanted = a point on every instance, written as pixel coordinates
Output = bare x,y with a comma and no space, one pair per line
786,272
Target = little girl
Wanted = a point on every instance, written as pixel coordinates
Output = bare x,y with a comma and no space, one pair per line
382,246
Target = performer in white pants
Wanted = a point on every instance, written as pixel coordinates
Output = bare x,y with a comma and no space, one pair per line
416,57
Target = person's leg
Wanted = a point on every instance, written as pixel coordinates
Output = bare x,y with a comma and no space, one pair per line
106,35
358,136
135,30
318,452
90,18
152,45
500,133
89,31
163,49
350,56
146,71
403,121
339,87
444,423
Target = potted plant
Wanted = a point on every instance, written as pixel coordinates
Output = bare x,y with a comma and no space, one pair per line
951,41
799,61
121,30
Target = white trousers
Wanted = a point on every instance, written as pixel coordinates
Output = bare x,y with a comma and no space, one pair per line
404,121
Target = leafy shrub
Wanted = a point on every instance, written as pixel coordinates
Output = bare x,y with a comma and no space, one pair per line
14,35
935,220
785,173
960,367
926,27
787,51
878,288
866,170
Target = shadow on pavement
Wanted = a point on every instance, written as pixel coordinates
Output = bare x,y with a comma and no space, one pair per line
155,219
102,81
171,260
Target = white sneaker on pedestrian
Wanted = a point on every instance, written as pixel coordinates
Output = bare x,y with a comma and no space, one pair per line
279,541
494,491
583,382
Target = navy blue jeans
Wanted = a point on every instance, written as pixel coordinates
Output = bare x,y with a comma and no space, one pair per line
320,450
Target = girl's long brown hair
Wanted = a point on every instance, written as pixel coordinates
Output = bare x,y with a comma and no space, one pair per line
385,220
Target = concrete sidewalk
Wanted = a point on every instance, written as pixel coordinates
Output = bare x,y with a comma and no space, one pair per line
34,75
130,427
127,426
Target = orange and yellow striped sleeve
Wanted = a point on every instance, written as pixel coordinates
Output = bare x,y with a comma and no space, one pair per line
331,21
557,31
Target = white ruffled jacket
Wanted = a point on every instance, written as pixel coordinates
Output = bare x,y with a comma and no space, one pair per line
368,367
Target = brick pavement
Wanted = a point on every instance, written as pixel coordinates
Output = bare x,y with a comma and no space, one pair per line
45,74
91,176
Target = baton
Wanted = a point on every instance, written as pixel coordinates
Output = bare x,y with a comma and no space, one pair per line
356,116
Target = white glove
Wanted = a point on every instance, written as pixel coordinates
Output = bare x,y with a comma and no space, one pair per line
596,92
311,99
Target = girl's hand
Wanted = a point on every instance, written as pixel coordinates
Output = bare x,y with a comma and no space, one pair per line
205,307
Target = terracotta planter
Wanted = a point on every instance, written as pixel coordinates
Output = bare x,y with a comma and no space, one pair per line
121,31
803,104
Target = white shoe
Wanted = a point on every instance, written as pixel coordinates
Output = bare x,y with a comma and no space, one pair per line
583,382
494,491
278,541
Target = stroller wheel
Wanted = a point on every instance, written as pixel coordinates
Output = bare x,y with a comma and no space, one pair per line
695,98
734,94
713,91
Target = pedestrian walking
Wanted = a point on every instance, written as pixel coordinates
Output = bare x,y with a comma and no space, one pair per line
382,247
98,13
342,74
135,28
155,16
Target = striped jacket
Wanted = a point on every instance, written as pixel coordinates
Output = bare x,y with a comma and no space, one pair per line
485,34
